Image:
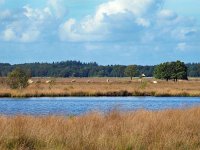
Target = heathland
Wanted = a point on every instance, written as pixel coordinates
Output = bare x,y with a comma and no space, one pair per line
139,130
55,87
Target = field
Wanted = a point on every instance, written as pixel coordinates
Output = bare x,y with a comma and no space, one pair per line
138,130
169,129
100,87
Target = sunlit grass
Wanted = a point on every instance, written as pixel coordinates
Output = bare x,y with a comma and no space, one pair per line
170,129
99,87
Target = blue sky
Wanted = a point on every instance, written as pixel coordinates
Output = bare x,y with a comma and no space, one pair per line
105,31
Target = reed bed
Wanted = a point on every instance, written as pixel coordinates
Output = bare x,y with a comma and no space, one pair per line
139,130
100,87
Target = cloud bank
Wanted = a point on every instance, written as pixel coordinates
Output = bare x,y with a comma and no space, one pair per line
30,24
129,28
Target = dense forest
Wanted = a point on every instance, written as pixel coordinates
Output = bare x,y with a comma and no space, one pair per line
79,69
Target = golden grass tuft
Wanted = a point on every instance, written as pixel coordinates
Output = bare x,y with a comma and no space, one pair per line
169,129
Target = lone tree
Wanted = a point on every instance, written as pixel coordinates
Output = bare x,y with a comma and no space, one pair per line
18,79
171,70
130,71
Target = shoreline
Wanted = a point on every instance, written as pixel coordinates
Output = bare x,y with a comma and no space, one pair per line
99,94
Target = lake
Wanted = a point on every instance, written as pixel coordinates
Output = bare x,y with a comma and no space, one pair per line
82,105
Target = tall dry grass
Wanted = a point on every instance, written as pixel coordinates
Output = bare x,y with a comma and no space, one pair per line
99,87
141,130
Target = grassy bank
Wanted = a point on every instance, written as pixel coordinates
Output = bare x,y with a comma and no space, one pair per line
100,87
170,129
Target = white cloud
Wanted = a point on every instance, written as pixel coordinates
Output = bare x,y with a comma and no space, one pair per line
145,25
101,23
137,8
27,24
67,32
23,26
37,14
139,22
141,25
70,32
57,7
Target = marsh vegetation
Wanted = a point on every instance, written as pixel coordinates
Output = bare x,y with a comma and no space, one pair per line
169,129
56,87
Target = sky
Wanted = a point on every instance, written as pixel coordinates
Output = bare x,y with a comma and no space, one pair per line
143,32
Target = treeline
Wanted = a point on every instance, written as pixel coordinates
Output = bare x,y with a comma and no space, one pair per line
74,69
79,69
